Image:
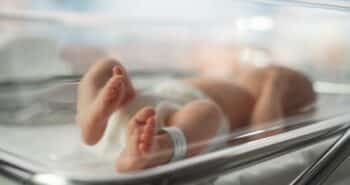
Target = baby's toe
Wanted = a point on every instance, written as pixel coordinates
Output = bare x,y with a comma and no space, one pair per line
129,89
117,71
146,137
145,113
140,118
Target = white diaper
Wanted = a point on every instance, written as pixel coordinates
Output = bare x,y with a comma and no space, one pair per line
167,97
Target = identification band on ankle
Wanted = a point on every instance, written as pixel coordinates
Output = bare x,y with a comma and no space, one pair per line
179,142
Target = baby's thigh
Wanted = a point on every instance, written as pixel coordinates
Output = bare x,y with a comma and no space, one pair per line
199,120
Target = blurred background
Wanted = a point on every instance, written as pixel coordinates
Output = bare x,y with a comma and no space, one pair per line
40,38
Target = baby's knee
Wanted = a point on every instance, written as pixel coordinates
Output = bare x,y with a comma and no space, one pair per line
197,112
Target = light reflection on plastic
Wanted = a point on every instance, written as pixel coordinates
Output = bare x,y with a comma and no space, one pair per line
256,23
49,179
256,57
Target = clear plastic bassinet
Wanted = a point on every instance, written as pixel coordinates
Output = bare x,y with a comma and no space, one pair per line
44,50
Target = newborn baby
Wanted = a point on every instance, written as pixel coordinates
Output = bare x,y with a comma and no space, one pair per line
175,119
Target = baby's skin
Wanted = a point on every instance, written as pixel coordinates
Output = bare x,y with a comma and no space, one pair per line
256,97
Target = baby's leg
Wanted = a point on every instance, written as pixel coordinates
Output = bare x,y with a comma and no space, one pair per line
199,120
103,89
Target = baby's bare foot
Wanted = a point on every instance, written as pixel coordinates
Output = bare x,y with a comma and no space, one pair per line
137,152
113,96
110,97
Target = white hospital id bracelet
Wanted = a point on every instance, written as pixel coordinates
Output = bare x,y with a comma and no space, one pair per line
179,142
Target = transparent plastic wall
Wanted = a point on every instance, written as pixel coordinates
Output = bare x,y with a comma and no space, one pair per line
178,34
45,47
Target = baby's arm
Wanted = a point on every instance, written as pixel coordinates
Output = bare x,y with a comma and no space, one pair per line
269,105
279,92
284,93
